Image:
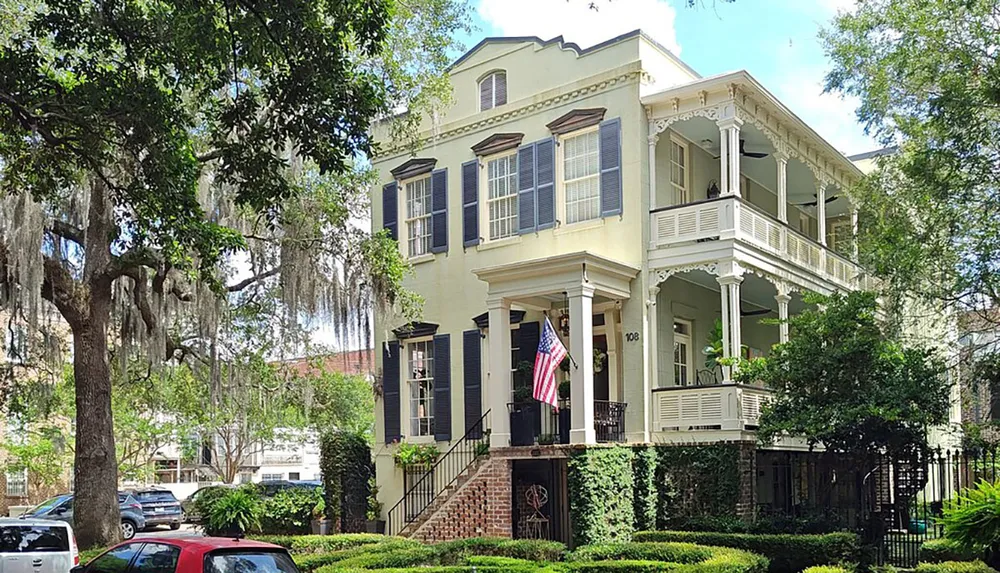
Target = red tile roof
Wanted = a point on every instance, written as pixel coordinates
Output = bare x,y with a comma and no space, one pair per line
350,362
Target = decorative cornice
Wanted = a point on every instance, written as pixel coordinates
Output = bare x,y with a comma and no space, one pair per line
415,330
708,112
576,119
483,320
497,142
661,275
414,167
632,72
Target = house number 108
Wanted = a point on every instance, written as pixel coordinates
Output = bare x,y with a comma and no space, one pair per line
631,337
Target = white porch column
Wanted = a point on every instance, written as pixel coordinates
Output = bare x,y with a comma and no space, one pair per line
499,383
821,212
611,334
730,277
581,348
782,160
652,139
783,298
729,143
854,232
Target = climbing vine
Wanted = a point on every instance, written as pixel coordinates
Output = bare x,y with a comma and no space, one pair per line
644,493
600,483
696,480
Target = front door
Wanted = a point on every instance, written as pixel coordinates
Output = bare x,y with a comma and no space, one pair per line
602,370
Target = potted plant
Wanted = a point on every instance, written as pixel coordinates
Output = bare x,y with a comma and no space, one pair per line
523,417
235,513
375,523
411,455
320,524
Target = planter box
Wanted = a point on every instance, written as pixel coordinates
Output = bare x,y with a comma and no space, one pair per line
322,527
377,526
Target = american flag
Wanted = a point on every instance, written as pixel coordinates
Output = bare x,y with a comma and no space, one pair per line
550,354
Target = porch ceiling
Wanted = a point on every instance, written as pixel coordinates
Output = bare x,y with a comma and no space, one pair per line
755,293
546,278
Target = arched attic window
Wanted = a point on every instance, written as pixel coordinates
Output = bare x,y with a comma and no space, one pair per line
493,90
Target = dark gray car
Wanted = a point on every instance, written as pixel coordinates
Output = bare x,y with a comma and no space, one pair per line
60,507
159,507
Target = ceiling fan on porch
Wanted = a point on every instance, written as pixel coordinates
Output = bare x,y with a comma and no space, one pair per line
755,312
750,154
829,199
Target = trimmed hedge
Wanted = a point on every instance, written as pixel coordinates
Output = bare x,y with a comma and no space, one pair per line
944,549
459,551
681,557
827,569
955,567
323,543
623,566
600,494
346,465
787,553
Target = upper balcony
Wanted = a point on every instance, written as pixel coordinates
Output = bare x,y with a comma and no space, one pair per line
729,163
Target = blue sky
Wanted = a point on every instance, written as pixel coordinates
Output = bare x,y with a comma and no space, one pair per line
775,40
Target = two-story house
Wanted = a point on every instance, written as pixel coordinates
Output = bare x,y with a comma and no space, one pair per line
655,216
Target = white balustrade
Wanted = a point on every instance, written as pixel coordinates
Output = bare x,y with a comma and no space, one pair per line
720,407
731,217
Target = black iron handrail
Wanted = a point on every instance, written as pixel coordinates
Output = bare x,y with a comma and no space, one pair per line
609,421
444,472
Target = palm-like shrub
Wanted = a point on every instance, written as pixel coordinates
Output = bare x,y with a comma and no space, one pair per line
235,513
972,520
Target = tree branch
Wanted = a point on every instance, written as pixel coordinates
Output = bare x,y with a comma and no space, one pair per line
140,295
254,279
59,288
67,231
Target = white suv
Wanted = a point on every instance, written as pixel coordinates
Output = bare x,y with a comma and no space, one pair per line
37,546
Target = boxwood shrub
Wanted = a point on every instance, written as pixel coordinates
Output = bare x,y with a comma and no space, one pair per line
681,557
458,551
787,553
324,543
955,567
943,549
827,569
622,566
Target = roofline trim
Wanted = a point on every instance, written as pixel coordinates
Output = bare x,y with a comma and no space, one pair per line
563,44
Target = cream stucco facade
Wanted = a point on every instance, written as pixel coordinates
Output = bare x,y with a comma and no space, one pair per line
729,207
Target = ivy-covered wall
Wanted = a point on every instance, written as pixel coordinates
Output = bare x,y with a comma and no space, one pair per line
699,480
600,481
346,463
645,496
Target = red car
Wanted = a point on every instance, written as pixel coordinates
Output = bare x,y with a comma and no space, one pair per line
191,555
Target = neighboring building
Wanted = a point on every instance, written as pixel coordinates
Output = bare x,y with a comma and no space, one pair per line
294,457
980,335
635,204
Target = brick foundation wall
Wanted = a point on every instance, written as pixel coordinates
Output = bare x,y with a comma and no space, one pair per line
481,507
746,505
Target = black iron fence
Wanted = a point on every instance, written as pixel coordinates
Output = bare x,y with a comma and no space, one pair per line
894,504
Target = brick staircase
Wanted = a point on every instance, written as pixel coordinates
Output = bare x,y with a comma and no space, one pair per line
451,474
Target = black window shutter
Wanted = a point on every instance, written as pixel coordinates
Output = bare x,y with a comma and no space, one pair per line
610,147
442,387
470,203
472,373
526,188
390,391
545,196
439,211
390,209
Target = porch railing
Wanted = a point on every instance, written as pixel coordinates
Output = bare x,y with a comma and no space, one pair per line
424,489
735,218
534,423
718,407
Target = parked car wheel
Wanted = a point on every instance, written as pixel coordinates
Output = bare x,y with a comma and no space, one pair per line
128,529
175,526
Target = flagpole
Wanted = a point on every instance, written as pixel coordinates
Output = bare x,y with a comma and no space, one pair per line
568,355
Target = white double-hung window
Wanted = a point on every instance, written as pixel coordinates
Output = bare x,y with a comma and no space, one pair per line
501,196
418,216
420,379
581,177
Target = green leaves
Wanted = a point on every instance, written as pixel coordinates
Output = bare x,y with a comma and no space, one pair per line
973,518
600,482
237,509
927,79
843,381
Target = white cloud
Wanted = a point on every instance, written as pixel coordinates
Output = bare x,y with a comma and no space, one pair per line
578,22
